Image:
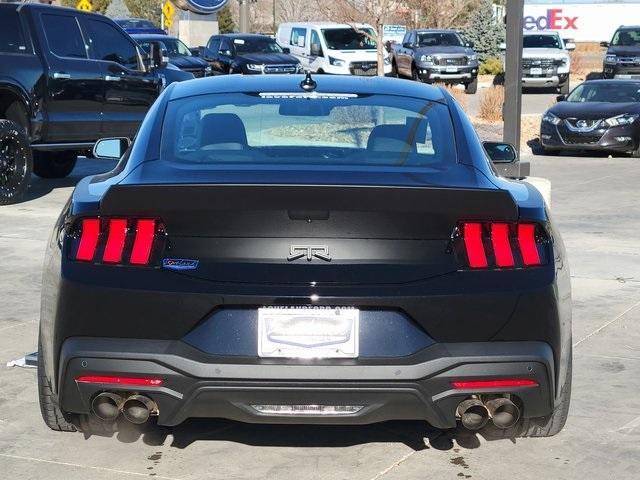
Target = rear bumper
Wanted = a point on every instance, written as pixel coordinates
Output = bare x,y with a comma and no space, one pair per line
196,384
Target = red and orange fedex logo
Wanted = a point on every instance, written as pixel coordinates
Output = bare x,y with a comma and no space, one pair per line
553,20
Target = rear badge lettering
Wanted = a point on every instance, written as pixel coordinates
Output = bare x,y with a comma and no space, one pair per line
180,264
309,252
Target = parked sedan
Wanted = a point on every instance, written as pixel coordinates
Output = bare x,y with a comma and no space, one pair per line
249,54
178,53
597,115
282,249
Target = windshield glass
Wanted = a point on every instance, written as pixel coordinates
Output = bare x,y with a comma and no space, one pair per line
626,38
616,92
440,39
541,41
174,47
256,45
349,38
308,129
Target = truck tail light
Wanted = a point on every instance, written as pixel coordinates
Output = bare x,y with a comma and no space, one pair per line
116,241
502,245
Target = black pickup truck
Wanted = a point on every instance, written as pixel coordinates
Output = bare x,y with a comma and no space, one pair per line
437,56
67,78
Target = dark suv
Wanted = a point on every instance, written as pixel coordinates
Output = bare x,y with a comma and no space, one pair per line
249,54
622,59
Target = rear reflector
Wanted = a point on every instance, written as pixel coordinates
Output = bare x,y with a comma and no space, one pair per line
504,383
115,241
474,246
137,381
527,243
88,239
501,244
145,233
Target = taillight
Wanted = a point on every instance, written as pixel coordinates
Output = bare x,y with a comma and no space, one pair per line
117,241
502,245
495,383
137,381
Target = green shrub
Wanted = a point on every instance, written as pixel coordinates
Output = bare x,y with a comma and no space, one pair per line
491,66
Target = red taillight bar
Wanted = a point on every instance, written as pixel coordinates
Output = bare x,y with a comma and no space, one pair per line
473,242
145,233
495,244
115,241
136,381
88,239
501,383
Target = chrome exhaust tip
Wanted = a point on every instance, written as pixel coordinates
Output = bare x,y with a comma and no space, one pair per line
473,414
504,413
137,409
106,406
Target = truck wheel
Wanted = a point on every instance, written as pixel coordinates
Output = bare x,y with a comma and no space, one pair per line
394,69
51,413
471,88
414,74
564,88
54,164
16,163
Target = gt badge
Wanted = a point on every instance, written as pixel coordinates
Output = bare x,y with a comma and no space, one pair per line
309,251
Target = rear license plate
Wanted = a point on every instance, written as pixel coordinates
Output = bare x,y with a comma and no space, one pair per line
308,332
451,69
535,71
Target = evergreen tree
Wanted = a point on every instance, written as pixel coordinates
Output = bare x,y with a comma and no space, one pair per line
225,20
485,31
99,6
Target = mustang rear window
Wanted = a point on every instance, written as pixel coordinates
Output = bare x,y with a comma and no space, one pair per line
302,128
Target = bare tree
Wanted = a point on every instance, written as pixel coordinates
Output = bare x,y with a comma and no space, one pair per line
295,11
439,13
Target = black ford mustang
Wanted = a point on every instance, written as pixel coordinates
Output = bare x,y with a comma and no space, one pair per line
272,249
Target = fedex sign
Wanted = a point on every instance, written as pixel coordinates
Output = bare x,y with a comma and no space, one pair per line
553,20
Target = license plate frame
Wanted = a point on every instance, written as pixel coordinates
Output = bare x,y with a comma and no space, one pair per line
535,71
451,69
308,332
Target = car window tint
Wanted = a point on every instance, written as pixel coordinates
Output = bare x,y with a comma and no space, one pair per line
108,43
64,36
214,45
11,35
298,36
225,45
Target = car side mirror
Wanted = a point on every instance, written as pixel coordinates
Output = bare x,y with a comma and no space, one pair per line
111,148
561,98
604,44
195,51
570,46
226,53
286,50
502,46
158,57
407,45
470,44
500,152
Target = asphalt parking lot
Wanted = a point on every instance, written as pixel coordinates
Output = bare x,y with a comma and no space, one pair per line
596,202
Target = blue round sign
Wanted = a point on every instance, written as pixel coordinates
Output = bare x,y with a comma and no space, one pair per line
203,7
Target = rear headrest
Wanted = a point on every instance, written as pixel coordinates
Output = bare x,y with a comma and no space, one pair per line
392,138
222,128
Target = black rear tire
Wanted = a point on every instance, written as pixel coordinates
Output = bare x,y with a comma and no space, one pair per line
414,74
471,88
54,164
16,163
51,413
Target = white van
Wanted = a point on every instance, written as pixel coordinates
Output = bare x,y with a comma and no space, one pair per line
328,47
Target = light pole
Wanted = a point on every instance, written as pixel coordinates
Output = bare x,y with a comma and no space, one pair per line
244,16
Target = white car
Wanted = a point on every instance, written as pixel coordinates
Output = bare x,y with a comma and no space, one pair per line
328,47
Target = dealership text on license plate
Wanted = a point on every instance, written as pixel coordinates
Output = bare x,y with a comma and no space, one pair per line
308,332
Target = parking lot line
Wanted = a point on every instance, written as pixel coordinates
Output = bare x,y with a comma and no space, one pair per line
602,327
77,465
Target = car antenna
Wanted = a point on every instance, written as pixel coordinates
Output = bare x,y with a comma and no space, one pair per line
308,84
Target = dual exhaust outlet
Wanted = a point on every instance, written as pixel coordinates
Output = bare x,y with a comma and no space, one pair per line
135,408
474,414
